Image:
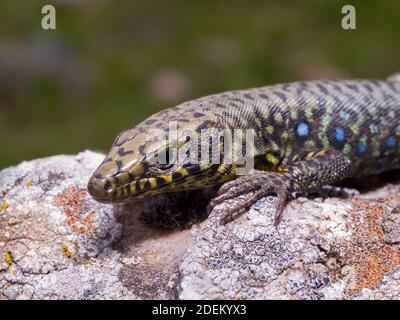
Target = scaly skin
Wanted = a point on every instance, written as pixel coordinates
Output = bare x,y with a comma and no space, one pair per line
307,134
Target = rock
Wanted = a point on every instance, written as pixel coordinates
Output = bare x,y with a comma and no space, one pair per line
56,243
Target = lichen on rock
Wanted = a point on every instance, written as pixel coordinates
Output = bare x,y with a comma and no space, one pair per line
58,243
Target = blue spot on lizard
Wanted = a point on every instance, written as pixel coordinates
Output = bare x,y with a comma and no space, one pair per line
339,134
302,129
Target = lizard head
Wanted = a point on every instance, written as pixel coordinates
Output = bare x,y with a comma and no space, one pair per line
148,160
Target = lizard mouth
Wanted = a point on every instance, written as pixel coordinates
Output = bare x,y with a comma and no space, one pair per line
180,180
98,193
183,178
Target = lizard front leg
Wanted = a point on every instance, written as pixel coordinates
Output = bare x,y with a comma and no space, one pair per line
310,172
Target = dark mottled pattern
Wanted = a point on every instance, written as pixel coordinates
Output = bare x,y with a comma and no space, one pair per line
307,134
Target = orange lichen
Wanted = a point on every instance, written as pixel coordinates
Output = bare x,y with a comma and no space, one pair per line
368,253
73,202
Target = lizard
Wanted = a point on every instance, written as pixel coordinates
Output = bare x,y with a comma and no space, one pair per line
307,134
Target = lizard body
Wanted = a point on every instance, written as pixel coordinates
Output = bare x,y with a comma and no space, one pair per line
307,134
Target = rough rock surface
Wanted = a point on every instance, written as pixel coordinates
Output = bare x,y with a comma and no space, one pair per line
56,242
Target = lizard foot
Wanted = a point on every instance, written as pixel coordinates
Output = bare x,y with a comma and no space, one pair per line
260,184
312,171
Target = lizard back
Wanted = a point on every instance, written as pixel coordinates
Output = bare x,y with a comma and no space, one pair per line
357,117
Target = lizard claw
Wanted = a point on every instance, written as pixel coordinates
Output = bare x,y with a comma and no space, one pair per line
282,199
260,185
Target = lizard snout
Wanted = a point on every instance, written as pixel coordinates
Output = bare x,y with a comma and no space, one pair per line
99,190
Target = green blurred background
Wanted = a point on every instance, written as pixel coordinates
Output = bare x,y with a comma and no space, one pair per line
110,64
